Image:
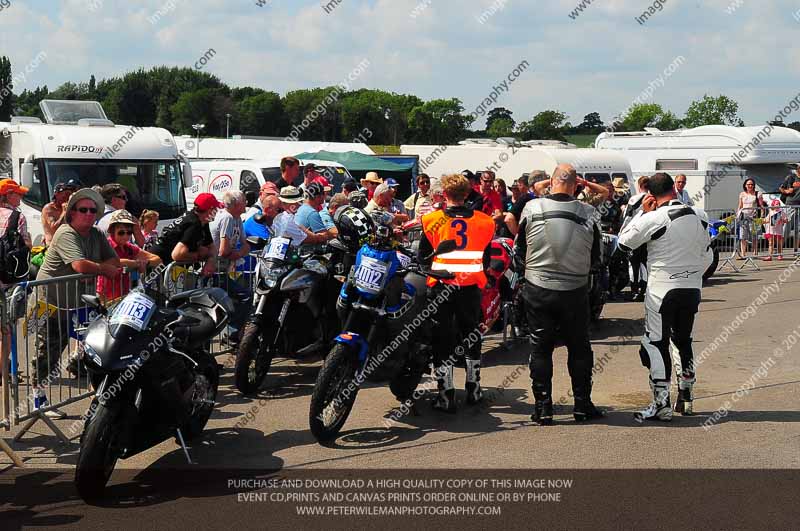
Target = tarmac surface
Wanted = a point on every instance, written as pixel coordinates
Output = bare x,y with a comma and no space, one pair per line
747,415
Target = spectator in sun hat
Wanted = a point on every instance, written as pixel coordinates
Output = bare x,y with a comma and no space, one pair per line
370,182
77,247
120,228
397,206
188,238
54,212
10,197
285,224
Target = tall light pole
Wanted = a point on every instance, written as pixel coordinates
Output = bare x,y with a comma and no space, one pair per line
227,125
198,128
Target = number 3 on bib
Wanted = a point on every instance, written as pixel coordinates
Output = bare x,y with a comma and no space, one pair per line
460,228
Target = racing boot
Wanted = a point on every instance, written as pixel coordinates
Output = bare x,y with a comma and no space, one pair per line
543,412
639,296
473,386
446,399
683,404
585,410
660,408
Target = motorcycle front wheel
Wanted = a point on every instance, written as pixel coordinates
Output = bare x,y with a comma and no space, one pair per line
205,394
97,457
714,263
334,393
253,358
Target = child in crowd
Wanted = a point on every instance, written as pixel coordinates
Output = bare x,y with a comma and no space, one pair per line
148,221
776,219
120,230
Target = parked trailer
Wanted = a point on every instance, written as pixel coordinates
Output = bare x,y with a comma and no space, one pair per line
79,142
716,159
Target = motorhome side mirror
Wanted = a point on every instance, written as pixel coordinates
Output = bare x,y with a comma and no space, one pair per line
26,177
187,174
445,246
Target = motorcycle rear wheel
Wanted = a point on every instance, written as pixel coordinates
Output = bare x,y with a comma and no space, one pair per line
253,358
97,457
329,405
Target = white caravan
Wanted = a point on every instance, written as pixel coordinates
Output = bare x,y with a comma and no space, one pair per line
219,176
716,159
246,148
510,159
79,142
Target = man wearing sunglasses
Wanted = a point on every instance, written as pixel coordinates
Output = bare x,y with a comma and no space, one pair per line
77,247
420,202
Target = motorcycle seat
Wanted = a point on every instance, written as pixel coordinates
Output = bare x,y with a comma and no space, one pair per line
182,297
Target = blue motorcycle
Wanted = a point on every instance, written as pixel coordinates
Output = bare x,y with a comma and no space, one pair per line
385,336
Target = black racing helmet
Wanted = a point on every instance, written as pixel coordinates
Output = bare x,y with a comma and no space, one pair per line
354,226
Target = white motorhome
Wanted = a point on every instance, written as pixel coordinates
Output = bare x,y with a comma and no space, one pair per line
716,159
510,159
247,148
219,176
79,142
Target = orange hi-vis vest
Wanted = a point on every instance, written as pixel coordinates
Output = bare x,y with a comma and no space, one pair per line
471,235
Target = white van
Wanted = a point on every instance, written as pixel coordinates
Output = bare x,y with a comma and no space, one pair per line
219,176
510,159
716,159
79,142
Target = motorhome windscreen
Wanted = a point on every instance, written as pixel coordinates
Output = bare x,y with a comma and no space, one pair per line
155,185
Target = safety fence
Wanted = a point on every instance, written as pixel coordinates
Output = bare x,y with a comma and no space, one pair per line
43,323
751,236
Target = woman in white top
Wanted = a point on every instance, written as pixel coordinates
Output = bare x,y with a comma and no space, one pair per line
749,201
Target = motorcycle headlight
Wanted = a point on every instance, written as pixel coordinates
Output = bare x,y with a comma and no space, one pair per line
273,275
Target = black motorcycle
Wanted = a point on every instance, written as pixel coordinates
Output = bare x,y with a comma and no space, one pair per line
293,310
153,374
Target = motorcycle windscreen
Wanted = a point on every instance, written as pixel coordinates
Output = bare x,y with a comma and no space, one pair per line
132,314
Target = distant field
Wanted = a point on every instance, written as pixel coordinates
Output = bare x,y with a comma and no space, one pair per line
581,141
389,150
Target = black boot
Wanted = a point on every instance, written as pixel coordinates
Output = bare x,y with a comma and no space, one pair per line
543,412
585,410
446,399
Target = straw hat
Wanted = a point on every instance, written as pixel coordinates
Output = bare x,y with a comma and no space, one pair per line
371,177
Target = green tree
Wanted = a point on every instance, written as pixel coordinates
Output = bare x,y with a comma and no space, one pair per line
438,122
260,114
6,90
499,113
547,125
500,127
591,124
720,110
644,115
313,114
204,106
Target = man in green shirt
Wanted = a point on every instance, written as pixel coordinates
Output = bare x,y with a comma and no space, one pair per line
77,248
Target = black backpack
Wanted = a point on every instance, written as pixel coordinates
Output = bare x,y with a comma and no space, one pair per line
14,254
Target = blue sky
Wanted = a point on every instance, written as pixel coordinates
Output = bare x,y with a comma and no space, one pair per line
599,61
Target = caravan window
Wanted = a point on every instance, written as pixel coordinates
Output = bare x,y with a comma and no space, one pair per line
250,187
676,164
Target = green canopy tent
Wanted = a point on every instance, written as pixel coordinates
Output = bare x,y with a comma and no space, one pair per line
359,164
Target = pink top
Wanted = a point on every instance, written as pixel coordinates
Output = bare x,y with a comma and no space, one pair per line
113,288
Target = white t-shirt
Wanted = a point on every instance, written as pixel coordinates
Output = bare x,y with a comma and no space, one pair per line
285,226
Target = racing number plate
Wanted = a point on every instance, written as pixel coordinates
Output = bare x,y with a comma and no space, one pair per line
371,274
134,311
277,248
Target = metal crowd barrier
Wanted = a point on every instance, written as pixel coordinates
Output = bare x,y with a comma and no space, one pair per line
763,231
43,323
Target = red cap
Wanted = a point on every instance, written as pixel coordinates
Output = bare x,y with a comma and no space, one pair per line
326,184
206,201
